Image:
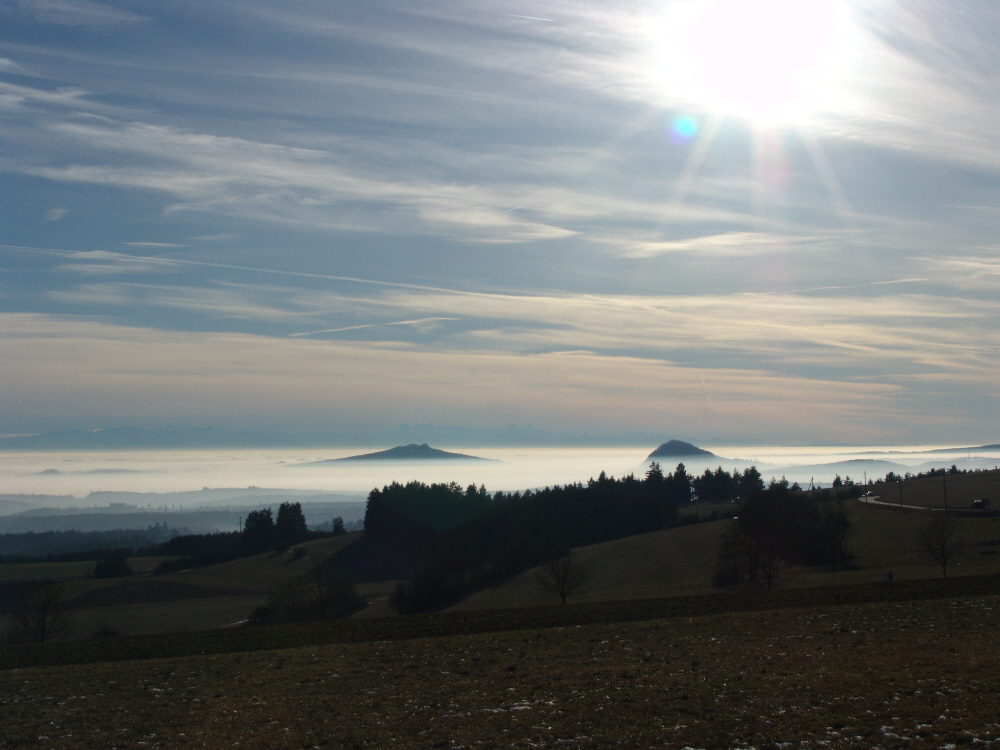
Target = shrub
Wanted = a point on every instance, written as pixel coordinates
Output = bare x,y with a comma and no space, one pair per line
115,566
320,594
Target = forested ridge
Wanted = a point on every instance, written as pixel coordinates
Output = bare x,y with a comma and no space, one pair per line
507,533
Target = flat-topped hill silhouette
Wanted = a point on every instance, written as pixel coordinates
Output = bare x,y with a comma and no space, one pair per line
411,452
673,448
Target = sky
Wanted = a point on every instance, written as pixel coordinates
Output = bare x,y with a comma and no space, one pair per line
717,220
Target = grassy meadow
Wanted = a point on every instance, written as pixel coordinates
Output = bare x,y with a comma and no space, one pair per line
668,563
212,597
681,561
931,492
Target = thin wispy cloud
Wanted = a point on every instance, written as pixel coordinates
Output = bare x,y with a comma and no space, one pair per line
728,244
153,244
377,381
423,323
76,13
497,213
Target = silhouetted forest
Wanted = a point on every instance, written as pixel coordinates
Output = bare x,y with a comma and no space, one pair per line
719,486
67,546
777,527
469,539
262,532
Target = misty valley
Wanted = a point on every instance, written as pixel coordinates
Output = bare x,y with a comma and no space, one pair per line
626,587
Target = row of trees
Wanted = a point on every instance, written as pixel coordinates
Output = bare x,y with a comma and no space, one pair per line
719,486
262,531
778,527
412,517
942,472
67,546
512,532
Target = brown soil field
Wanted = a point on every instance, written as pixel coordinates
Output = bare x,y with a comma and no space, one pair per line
890,675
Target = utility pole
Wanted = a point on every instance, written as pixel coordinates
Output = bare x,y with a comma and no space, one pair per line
944,491
899,483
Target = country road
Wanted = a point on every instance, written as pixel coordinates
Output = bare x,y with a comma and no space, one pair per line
963,510
874,500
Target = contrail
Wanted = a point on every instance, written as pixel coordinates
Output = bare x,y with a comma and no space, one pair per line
301,274
826,288
529,18
369,325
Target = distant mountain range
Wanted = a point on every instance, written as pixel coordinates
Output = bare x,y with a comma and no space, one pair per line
994,447
134,438
411,452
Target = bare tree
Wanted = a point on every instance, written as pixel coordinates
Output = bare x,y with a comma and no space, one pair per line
563,576
41,616
939,539
771,561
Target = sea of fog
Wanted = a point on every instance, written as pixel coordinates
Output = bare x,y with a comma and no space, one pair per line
162,471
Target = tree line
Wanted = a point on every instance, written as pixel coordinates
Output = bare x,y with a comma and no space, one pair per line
262,531
719,486
777,527
942,472
507,533
71,546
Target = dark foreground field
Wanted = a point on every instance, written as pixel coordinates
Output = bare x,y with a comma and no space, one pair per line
921,674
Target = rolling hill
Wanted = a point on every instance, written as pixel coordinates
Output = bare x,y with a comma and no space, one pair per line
678,448
411,452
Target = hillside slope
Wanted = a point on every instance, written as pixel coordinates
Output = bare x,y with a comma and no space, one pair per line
682,560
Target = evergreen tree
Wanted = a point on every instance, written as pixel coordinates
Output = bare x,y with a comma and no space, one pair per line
290,526
258,532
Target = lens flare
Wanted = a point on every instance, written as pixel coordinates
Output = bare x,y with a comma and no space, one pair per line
683,129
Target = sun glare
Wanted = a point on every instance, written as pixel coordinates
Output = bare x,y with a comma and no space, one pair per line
778,61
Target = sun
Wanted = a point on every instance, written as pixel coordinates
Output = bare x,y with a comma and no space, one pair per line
777,61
